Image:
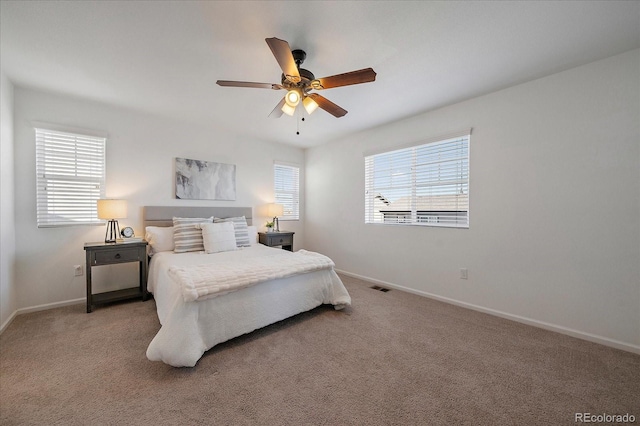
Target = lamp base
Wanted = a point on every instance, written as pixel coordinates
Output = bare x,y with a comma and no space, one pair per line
113,231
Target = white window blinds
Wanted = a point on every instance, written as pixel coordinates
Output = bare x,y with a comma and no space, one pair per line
70,178
287,189
425,185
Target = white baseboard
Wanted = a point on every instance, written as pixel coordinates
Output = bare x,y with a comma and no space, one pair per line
39,308
8,321
536,323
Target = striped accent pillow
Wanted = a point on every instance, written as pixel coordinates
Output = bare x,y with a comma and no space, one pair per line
186,235
241,229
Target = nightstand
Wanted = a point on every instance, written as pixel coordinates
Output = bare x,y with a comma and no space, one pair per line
272,239
99,254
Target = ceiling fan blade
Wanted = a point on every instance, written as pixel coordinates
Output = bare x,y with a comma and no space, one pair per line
282,52
354,77
277,111
327,105
228,83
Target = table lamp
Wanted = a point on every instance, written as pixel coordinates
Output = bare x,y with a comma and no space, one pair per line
111,210
275,210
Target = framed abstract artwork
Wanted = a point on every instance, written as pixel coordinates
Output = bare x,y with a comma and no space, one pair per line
205,180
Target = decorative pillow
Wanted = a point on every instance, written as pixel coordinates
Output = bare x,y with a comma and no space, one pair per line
160,238
253,234
218,237
240,225
186,235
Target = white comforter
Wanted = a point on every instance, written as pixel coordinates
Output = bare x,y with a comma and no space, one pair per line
190,328
212,280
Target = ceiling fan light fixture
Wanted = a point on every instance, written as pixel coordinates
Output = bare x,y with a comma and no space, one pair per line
288,109
309,104
292,98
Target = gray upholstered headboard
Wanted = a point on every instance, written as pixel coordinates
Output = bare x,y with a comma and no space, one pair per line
163,215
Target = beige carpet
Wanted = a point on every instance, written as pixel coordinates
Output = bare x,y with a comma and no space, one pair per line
393,359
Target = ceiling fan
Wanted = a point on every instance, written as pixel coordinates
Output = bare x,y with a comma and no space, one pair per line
298,82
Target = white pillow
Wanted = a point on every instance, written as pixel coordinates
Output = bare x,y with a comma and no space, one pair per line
186,235
240,225
218,237
160,238
253,234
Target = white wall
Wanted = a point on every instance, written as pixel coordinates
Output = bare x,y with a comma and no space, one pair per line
141,149
7,218
554,235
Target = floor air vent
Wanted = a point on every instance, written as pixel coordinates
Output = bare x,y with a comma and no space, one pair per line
382,289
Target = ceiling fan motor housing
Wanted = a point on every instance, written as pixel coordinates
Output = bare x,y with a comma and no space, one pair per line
306,76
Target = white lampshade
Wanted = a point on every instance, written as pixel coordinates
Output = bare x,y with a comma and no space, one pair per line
112,209
292,98
288,109
309,104
275,210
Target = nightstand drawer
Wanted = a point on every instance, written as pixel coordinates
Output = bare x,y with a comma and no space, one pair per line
283,240
116,256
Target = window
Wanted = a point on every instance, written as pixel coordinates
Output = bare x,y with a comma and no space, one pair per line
424,185
286,188
70,171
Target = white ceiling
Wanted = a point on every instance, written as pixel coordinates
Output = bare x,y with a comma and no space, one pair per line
164,57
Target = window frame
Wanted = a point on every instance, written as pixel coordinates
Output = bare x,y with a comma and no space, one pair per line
428,181
281,194
74,160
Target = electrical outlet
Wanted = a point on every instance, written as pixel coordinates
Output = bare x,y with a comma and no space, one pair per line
77,270
464,274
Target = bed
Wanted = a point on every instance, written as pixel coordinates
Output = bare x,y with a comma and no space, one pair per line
191,327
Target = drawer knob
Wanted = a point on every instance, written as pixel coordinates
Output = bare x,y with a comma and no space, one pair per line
280,239
117,256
